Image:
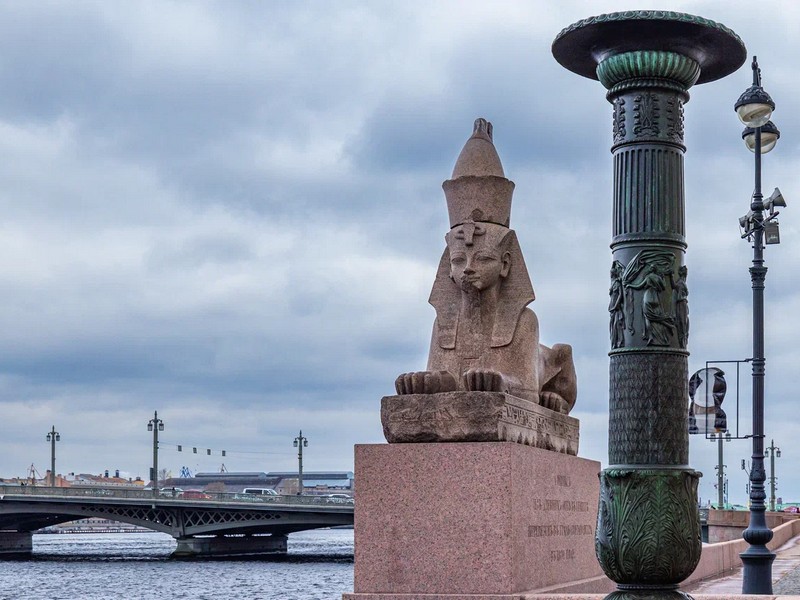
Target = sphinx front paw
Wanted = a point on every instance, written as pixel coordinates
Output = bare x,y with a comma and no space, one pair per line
484,380
425,382
554,402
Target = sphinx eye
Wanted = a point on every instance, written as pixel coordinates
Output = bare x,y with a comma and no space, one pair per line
457,259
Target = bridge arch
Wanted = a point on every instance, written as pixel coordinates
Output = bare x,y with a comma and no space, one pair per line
199,526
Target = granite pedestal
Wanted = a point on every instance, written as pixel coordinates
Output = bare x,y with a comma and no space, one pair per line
472,519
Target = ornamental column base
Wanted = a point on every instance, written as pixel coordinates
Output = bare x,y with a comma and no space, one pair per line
648,529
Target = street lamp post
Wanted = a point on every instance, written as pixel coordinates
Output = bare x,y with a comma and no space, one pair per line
720,468
772,451
754,109
300,442
53,436
155,425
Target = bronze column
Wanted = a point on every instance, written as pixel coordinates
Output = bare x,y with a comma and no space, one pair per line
648,531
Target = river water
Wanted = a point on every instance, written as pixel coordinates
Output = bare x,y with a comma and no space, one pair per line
136,566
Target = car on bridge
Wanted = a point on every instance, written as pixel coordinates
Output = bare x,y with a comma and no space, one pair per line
173,492
257,495
260,491
339,499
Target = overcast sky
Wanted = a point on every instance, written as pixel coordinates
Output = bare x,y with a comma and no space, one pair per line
231,212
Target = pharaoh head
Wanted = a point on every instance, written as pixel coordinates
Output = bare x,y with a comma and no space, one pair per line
482,252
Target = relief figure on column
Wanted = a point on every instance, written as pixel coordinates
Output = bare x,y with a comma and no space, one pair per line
680,301
616,306
647,272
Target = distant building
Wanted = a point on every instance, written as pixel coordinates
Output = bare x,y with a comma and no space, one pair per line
104,480
79,480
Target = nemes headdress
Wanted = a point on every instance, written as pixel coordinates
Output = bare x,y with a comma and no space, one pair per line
479,197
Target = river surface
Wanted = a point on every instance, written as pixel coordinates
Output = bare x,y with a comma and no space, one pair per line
134,566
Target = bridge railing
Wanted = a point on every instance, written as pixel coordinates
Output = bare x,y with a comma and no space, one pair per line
170,494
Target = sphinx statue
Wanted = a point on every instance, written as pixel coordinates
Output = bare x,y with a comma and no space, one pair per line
485,338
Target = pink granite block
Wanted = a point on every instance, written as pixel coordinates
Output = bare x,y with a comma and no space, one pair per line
472,518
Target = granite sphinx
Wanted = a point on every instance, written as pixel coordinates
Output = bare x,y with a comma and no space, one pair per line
485,356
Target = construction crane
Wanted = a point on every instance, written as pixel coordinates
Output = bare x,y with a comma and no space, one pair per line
33,475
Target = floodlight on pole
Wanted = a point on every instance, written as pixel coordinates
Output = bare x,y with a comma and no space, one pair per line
155,425
300,442
754,109
53,436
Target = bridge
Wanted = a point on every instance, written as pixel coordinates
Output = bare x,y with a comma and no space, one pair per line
213,524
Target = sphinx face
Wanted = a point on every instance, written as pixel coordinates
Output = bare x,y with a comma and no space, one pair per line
479,265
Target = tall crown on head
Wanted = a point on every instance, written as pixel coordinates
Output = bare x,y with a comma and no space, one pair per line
478,189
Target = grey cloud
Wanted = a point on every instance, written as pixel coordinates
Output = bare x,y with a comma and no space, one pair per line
233,214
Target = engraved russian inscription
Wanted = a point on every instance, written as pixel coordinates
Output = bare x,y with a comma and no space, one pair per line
545,504
559,555
537,531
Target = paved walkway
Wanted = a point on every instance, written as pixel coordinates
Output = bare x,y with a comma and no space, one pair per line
785,575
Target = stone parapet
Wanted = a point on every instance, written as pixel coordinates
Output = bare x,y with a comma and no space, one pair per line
728,525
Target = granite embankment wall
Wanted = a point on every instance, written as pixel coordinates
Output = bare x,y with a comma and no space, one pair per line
723,557
716,559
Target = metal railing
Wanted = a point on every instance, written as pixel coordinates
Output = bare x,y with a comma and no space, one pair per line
170,494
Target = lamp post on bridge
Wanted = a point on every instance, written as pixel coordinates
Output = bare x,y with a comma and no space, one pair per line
53,436
754,108
746,468
300,442
720,467
155,425
772,451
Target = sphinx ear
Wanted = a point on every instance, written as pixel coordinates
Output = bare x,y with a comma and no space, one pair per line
506,264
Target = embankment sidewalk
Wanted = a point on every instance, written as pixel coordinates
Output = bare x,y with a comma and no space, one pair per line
785,576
